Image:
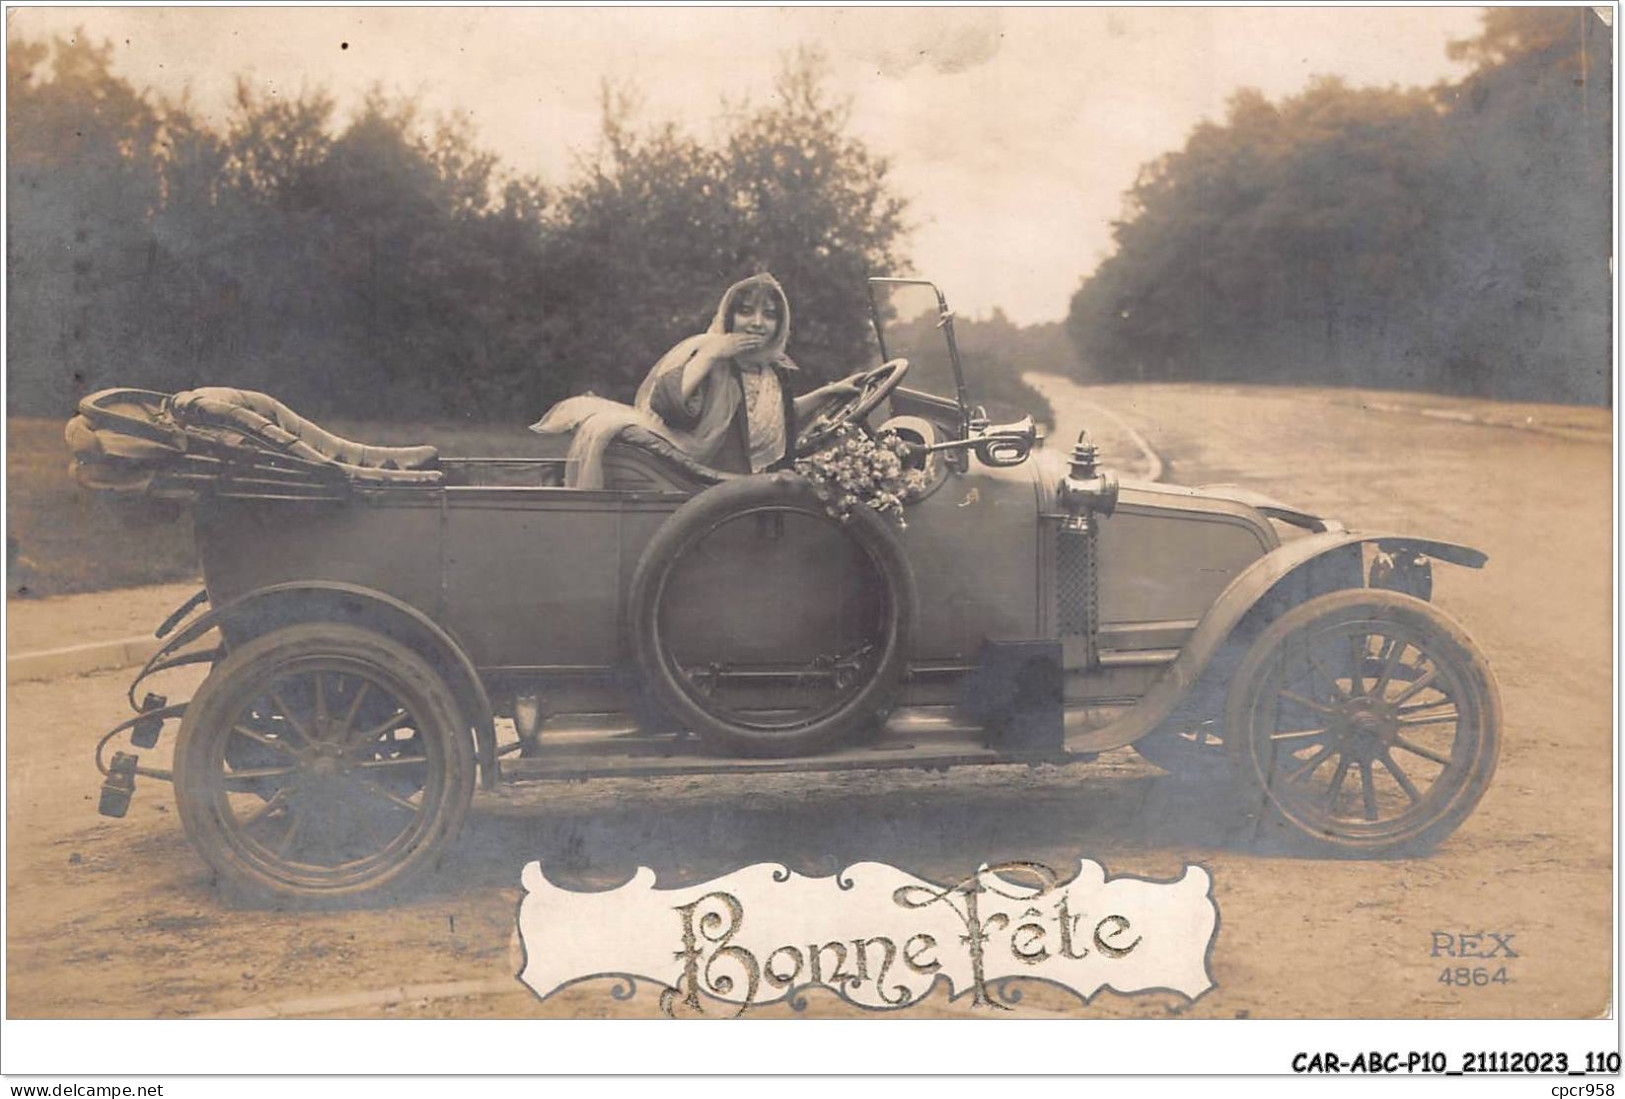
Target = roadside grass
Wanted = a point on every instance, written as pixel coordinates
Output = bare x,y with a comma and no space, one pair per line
61,539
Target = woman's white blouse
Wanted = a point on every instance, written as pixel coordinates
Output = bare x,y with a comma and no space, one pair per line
764,412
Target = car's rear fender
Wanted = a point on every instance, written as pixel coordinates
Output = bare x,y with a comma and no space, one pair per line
264,609
1283,578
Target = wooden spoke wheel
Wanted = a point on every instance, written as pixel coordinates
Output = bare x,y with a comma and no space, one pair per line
322,761
1365,720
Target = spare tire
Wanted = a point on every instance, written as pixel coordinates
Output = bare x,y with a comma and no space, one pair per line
767,627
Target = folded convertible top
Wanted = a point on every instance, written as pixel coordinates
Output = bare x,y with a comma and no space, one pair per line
231,442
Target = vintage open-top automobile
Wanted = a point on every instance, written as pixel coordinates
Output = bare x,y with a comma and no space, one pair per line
386,626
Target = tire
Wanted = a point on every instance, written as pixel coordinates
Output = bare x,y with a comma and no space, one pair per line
702,623
294,780
1373,684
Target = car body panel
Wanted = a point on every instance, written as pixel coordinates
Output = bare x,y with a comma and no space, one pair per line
1167,555
972,545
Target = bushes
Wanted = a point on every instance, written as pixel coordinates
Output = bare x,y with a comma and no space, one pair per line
387,266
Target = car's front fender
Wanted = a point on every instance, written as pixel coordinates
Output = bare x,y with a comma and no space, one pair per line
1248,590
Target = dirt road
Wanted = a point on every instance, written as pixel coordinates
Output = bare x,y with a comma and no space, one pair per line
119,918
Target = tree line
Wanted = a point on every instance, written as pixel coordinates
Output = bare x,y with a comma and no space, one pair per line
388,265
1452,239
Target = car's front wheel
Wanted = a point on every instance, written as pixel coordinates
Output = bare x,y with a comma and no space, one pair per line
1365,720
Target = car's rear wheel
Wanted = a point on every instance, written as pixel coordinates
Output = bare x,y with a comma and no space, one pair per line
322,761
767,627
1366,721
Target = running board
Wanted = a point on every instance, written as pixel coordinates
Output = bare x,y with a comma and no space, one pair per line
610,745
1131,658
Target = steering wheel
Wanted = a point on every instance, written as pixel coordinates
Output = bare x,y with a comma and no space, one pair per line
873,386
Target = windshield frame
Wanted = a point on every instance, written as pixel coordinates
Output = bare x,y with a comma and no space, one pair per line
945,321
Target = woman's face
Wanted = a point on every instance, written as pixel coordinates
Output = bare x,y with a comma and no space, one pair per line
755,313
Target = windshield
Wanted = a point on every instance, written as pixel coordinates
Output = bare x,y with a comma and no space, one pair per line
907,318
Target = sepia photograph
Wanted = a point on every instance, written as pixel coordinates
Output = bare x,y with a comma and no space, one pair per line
832,513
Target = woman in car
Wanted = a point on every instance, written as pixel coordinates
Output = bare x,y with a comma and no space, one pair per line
722,396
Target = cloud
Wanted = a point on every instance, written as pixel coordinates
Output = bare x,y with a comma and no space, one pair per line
897,42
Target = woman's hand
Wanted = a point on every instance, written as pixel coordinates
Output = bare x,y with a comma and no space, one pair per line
846,387
808,403
734,344
712,355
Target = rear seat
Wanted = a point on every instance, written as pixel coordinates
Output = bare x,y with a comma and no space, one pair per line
673,465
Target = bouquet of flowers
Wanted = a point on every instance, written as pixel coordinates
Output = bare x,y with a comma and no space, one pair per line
857,468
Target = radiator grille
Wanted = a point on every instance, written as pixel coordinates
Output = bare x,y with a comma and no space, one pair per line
1075,582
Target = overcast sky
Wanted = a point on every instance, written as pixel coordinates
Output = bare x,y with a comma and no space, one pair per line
1014,131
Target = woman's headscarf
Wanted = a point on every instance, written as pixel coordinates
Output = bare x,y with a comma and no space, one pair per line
774,351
